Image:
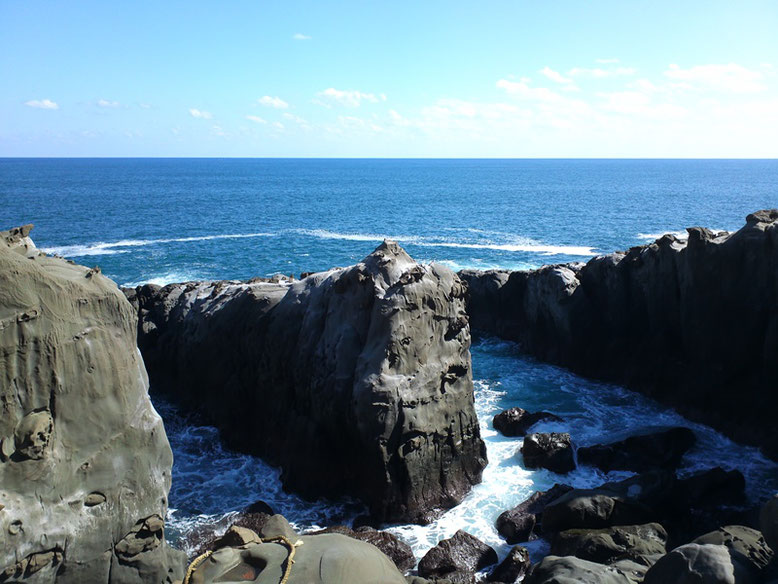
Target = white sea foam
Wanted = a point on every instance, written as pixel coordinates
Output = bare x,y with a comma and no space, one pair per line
681,234
108,248
167,278
519,244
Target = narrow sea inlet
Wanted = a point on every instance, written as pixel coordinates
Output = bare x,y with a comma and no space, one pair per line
210,483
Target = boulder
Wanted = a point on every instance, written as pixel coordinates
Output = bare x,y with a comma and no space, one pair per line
747,547
85,464
322,559
690,322
640,453
634,501
457,559
570,570
698,564
553,451
356,381
512,568
392,546
634,542
516,421
518,525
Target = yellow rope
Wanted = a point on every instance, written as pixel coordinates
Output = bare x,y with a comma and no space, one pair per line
278,539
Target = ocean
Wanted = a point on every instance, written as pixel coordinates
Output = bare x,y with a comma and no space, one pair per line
172,220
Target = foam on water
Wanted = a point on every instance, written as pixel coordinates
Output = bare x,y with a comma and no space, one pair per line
210,483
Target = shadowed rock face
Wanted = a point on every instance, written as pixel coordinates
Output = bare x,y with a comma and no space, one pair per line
84,459
355,381
692,323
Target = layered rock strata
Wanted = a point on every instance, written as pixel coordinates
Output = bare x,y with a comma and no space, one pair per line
84,459
691,323
355,381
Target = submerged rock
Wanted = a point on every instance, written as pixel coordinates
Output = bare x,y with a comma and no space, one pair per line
516,421
457,559
691,323
355,381
552,451
85,463
657,450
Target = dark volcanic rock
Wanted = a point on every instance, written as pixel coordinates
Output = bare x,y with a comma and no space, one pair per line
84,460
569,570
553,451
690,323
640,453
513,567
518,524
516,421
457,559
768,522
355,381
605,545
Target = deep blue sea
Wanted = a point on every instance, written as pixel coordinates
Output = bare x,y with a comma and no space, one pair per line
168,220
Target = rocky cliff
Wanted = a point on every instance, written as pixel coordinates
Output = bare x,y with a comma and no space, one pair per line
84,460
355,381
692,323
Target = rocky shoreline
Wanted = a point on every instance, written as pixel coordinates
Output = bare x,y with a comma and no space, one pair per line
358,381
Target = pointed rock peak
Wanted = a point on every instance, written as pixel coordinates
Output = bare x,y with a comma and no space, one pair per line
388,262
764,216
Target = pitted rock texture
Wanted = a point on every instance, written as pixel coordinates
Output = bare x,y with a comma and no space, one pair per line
691,323
355,381
85,462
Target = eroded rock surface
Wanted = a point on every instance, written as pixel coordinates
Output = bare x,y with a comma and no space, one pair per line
355,381
692,323
84,461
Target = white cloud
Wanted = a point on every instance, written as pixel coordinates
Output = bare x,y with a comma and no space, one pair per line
256,119
608,61
599,73
555,75
278,125
200,114
42,104
219,131
294,118
731,78
298,36
274,102
637,103
144,105
350,97
107,103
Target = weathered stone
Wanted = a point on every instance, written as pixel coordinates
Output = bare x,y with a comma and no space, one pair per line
746,546
570,570
552,451
393,547
512,568
355,381
517,525
606,545
457,559
86,462
690,323
516,421
768,522
697,564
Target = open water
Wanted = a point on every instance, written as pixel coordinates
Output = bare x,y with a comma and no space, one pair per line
168,220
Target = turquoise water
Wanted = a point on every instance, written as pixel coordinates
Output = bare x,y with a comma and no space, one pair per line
166,220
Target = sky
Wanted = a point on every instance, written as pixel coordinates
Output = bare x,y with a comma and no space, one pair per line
633,79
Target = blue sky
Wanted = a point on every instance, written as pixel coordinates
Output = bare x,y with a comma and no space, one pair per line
398,79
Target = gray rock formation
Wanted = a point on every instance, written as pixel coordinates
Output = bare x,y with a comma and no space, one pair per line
640,453
84,459
634,542
516,421
355,381
570,570
698,564
690,323
519,524
768,522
